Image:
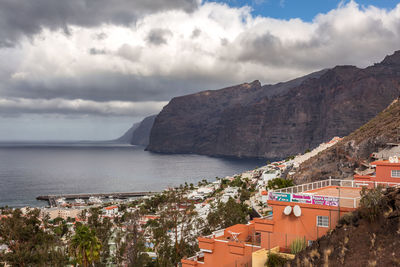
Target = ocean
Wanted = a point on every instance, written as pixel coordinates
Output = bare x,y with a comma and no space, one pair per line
28,170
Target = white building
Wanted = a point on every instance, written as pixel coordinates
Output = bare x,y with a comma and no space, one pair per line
230,192
270,174
110,211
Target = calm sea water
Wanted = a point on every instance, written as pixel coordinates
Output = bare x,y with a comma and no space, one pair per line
29,170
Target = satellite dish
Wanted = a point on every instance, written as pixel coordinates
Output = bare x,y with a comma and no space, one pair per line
391,159
287,210
297,211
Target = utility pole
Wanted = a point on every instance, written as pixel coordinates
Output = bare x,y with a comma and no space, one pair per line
398,135
339,201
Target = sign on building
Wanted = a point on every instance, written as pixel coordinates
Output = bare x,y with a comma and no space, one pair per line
286,197
327,201
300,198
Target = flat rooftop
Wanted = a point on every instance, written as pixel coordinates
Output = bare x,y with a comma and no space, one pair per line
349,196
337,191
331,192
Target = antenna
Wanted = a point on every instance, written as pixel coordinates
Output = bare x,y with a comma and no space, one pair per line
297,211
287,210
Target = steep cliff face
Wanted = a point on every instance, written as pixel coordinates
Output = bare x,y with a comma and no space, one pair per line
141,135
340,160
273,121
127,136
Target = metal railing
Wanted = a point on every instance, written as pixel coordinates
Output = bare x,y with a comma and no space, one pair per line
351,202
199,256
215,234
333,182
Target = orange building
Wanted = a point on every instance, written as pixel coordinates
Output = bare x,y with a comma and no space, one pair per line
386,173
303,212
307,215
232,246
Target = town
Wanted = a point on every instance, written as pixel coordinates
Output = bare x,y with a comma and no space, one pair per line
241,220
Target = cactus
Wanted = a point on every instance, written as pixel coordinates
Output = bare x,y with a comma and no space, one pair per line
297,245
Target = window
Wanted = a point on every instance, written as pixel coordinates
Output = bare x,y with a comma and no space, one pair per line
322,221
396,173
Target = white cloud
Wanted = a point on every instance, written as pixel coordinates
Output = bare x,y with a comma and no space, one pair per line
13,107
213,45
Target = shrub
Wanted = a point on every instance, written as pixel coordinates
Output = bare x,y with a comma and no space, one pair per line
369,203
297,245
275,260
279,183
346,219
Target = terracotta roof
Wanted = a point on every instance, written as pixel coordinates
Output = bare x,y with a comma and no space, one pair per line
111,207
383,162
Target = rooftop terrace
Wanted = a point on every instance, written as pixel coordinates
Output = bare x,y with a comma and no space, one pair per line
331,192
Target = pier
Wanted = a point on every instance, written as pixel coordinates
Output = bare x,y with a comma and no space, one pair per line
52,198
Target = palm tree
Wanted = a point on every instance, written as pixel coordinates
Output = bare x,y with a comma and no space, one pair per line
85,246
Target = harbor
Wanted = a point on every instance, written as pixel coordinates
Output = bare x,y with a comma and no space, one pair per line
52,199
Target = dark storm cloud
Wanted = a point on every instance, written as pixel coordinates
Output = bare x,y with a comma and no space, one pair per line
158,36
110,87
28,17
196,33
96,51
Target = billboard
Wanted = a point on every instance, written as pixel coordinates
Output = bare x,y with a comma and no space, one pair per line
300,198
303,198
286,197
327,201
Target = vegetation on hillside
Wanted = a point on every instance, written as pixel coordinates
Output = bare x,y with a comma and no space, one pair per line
354,150
369,236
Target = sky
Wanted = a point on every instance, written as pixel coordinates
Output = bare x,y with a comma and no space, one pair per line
89,69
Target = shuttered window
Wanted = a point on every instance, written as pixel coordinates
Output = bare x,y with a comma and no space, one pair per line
396,173
322,221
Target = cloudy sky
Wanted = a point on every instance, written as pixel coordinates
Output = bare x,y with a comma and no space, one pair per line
88,69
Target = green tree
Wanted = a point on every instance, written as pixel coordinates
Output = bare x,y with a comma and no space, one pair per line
102,228
227,214
29,243
134,246
85,246
279,183
173,232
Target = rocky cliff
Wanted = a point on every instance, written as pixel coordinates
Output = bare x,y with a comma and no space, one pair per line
274,121
139,133
127,136
355,150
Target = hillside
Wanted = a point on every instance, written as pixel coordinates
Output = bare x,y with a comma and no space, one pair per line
127,136
275,121
139,133
342,159
358,240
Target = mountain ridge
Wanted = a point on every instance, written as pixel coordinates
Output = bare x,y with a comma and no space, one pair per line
355,150
275,121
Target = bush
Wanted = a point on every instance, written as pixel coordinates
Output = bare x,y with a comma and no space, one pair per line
346,219
275,260
369,203
297,245
279,183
